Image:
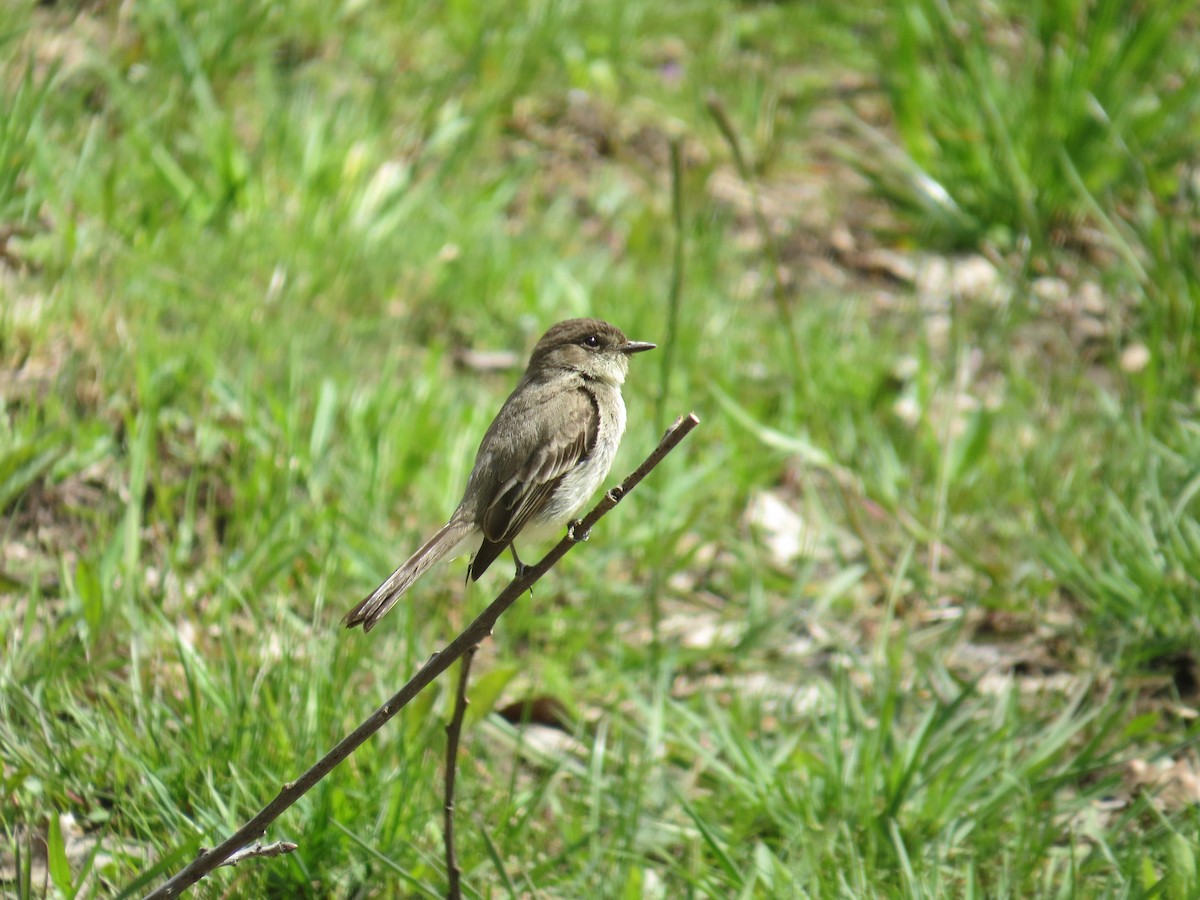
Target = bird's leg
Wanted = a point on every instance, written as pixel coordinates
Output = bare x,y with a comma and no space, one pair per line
521,567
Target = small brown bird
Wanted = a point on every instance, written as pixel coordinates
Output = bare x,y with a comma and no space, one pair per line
542,458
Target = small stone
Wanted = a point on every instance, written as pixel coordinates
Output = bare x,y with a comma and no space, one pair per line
1135,358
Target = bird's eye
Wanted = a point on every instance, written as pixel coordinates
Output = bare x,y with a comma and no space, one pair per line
591,341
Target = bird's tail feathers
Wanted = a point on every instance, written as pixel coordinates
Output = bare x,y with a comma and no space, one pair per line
383,598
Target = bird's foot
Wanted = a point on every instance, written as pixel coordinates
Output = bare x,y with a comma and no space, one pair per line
521,568
576,532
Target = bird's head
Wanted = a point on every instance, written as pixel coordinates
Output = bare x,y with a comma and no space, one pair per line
591,347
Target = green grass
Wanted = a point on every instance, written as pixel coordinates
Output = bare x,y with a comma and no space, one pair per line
242,247
1024,115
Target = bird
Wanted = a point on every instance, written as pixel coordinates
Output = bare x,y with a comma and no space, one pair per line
548,449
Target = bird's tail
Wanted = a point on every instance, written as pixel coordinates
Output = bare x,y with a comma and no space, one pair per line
375,606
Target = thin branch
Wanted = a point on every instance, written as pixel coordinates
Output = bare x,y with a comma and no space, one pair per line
482,627
670,342
453,732
258,848
720,116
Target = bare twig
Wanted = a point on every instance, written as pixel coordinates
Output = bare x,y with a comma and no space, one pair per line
673,298
671,344
453,732
720,116
258,848
292,791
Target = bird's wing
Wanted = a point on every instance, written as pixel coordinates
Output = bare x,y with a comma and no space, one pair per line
531,478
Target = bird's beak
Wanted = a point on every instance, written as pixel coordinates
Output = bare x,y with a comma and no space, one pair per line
636,347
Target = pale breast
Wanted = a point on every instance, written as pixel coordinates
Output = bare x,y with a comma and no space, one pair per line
578,485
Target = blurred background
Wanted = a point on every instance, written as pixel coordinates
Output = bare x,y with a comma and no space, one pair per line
913,613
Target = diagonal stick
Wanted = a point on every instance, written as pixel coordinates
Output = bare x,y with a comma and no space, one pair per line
207,860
